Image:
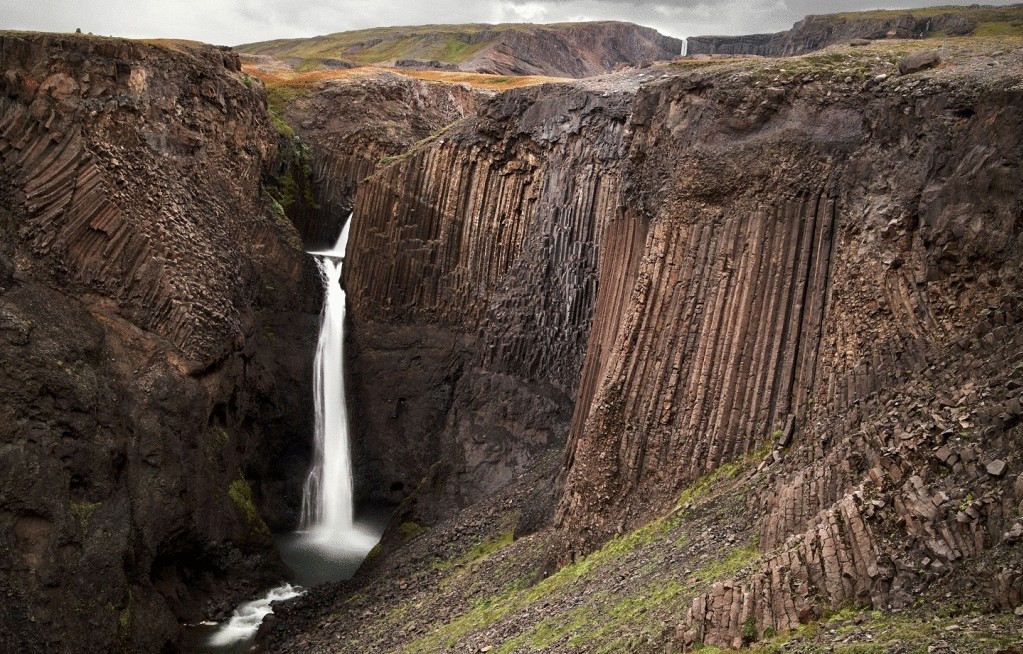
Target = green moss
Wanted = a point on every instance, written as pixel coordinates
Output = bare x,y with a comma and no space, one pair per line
749,630
241,494
218,437
374,553
125,616
83,511
410,530
481,550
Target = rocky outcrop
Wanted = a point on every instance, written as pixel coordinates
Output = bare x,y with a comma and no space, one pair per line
154,332
817,32
351,124
801,383
804,286
472,279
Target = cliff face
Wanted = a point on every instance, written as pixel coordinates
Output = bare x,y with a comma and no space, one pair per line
831,274
800,388
154,341
472,279
818,32
349,125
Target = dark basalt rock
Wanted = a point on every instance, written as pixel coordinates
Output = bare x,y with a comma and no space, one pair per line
155,330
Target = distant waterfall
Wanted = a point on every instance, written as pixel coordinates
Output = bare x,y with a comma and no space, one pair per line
328,514
685,47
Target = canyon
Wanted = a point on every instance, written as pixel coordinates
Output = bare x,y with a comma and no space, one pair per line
718,352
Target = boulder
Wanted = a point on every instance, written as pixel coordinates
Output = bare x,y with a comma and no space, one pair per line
918,61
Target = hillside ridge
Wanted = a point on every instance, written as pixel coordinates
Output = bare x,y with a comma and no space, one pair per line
555,49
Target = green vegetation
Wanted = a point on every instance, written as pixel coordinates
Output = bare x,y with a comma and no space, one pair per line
911,633
241,494
628,617
124,617
218,436
452,44
410,530
83,511
479,551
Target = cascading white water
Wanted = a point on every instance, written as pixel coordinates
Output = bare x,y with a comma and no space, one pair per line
246,618
328,514
329,544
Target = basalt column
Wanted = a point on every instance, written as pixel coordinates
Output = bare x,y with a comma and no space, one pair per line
473,278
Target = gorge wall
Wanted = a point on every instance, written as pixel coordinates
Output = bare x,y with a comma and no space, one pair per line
350,125
795,266
472,282
157,324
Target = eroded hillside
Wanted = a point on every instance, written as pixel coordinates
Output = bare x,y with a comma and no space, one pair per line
558,50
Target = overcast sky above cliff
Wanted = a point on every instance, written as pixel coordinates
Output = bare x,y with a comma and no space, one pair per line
242,21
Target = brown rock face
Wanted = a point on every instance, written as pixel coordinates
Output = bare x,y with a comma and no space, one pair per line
820,276
351,124
472,278
153,336
802,278
817,32
574,50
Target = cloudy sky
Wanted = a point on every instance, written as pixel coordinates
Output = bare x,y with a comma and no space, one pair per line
242,21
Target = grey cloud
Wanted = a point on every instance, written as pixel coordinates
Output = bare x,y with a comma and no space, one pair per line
234,21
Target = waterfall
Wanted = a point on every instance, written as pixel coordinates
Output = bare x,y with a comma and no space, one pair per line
328,514
685,47
329,544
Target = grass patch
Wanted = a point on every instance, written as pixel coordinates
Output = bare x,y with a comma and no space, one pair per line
602,620
410,530
479,551
241,494
125,616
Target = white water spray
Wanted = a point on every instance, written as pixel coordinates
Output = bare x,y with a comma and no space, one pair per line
328,514
246,618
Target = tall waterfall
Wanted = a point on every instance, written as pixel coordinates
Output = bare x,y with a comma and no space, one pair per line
329,544
328,514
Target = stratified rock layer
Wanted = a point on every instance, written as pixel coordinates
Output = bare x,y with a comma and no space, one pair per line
818,32
473,272
145,301
351,124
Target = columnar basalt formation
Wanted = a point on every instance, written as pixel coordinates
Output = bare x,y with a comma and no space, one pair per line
811,278
351,124
474,267
801,387
144,295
